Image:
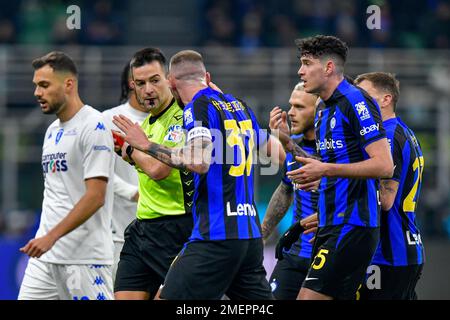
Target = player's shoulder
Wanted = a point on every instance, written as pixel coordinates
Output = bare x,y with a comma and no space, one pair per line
356,99
115,110
201,102
92,118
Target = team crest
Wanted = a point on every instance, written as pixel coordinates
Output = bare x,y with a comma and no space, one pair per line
333,123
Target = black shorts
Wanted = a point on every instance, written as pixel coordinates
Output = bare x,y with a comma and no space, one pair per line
288,275
341,256
210,269
392,283
149,249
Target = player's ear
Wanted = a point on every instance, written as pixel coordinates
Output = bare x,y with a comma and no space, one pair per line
387,99
69,84
329,67
208,78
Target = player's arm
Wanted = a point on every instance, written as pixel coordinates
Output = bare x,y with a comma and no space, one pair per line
272,150
379,165
92,200
389,187
155,169
280,129
388,192
194,156
278,206
124,189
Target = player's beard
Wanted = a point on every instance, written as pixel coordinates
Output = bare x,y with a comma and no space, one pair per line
55,107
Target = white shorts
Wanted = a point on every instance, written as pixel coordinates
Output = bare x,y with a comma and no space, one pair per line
118,245
50,281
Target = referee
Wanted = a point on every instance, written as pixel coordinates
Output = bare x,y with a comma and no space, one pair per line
163,219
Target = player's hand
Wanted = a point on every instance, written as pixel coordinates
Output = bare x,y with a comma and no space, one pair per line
288,239
278,122
309,174
38,246
118,139
310,223
134,134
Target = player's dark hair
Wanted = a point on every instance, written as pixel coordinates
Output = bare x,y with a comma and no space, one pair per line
324,46
382,81
58,61
146,56
124,84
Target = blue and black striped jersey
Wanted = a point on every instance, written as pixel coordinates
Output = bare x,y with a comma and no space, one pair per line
348,123
224,197
305,203
400,241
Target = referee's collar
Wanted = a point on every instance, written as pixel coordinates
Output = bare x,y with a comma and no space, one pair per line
153,118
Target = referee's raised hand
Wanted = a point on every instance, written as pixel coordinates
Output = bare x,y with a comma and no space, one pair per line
134,134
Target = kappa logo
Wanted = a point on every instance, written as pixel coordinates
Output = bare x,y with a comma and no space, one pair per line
100,126
363,112
190,193
188,182
98,281
101,296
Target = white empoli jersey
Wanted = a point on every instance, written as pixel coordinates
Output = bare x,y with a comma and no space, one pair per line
124,210
74,151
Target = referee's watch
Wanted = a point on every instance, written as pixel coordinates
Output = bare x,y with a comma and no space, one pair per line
129,151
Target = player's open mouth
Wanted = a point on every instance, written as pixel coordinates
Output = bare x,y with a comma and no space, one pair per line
43,103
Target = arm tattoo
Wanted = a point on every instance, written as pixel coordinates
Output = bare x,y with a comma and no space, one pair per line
194,156
290,146
278,206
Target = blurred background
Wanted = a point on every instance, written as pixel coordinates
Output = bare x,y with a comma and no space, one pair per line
249,49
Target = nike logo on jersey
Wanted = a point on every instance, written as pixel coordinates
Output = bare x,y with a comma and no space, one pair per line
291,163
308,278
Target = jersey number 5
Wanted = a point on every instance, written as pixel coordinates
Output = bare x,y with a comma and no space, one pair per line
235,138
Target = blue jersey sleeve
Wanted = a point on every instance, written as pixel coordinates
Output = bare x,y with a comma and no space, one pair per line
196,119
365,119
